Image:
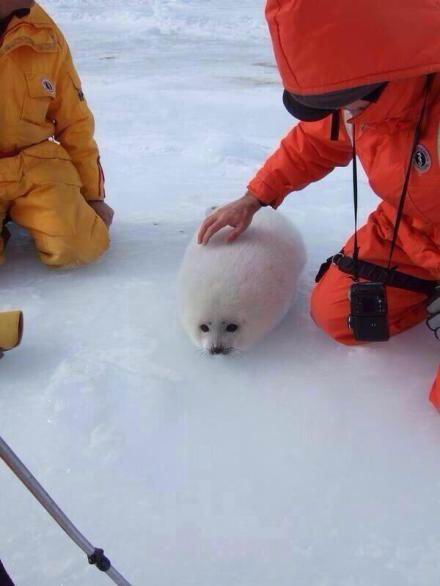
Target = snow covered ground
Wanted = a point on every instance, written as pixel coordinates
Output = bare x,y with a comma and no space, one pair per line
299,463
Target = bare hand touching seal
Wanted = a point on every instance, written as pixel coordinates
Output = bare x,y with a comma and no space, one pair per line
237,214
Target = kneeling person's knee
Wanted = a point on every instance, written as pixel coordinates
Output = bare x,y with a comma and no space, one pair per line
67,231
74,250
330,307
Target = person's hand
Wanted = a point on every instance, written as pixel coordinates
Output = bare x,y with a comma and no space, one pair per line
103,210
237,214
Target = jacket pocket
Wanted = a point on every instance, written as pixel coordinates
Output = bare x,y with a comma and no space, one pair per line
40,91
77,86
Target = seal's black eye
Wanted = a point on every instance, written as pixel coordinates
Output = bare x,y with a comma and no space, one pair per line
231,328
204,328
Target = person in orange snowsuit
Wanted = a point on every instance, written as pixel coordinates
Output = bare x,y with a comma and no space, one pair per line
367,72
51,180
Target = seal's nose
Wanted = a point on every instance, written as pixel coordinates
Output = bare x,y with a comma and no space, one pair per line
217,350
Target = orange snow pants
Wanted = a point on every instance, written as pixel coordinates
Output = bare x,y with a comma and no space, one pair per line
330,304
40,190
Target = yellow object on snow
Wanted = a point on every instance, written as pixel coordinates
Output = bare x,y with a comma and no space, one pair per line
11,330
49,161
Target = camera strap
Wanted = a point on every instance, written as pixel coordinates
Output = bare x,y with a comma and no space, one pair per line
428,84
355,203
389,269
377,274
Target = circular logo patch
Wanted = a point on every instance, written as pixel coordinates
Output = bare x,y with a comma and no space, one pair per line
48,86
422,159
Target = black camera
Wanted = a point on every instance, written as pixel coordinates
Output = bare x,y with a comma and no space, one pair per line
368,317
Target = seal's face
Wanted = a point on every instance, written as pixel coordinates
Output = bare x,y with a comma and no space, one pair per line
219,336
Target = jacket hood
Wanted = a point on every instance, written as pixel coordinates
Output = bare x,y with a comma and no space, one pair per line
324,46
35,16
36,30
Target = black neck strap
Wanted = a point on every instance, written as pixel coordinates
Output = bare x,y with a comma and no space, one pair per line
428,84
355,202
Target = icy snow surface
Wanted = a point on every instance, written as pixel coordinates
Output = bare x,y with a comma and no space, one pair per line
301,463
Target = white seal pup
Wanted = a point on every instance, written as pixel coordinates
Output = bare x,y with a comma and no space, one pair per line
231,295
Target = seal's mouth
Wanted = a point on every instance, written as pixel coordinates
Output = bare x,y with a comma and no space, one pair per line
216,350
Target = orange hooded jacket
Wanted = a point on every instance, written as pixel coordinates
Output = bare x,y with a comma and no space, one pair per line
325,46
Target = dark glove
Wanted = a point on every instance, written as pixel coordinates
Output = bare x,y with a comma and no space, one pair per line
433,307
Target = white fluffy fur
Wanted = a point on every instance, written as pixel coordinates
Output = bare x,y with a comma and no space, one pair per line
250,282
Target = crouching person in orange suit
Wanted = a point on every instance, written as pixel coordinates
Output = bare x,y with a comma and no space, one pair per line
51,181
356,96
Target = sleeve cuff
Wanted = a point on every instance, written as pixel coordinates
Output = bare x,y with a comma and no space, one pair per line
265,193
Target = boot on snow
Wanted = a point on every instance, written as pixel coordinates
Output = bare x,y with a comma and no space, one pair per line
11,330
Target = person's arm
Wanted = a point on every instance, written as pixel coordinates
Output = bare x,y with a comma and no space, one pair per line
75,128
305,155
